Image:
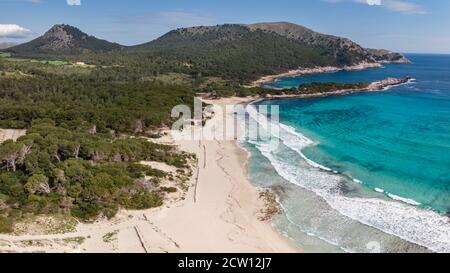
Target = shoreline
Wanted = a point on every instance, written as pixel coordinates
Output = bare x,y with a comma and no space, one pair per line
315,70
221,212
419,246
376,86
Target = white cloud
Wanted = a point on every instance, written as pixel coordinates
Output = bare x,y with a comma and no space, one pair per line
401,6
13,31
74,2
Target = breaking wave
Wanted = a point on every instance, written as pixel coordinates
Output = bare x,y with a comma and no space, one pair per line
400,217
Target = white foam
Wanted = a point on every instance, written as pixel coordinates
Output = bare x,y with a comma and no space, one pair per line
404,200
417,225
379,190
357,181
290,137
410,81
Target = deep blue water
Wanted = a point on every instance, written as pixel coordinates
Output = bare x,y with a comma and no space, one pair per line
389,155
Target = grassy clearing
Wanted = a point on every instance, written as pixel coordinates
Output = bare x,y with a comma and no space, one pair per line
19,60
199,84
208,81
171,78
34,243
14,74
57,63
38,225
5,55
9,57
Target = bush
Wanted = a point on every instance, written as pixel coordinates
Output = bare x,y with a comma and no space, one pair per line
145,200
6,224
169,190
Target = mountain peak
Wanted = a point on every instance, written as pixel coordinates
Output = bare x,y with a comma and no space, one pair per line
59,26
64,38
63,27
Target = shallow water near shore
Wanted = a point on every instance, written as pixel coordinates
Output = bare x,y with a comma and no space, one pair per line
384,184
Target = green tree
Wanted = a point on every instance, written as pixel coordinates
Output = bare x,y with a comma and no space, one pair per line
37,183
10,154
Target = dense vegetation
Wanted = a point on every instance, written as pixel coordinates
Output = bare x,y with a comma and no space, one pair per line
93,100
76,157
56,170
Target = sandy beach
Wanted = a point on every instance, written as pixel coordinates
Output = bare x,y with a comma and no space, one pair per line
220,213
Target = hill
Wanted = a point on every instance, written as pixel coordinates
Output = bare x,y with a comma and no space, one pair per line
243,52
64,39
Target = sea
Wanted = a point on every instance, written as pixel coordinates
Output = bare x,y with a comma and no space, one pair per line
365,172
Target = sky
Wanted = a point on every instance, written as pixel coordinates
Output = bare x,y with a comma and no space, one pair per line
420,26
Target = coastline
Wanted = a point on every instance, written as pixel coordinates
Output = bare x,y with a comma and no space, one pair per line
221,212
222,208
372,87
314,70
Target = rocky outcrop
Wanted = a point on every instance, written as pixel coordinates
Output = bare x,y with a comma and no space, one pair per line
386,56
379,85
59,37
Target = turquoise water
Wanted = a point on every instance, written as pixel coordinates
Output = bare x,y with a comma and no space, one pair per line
384,160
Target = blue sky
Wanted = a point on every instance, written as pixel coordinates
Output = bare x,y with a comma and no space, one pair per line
401,25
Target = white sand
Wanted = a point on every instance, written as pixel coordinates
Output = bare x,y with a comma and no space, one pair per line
219,214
